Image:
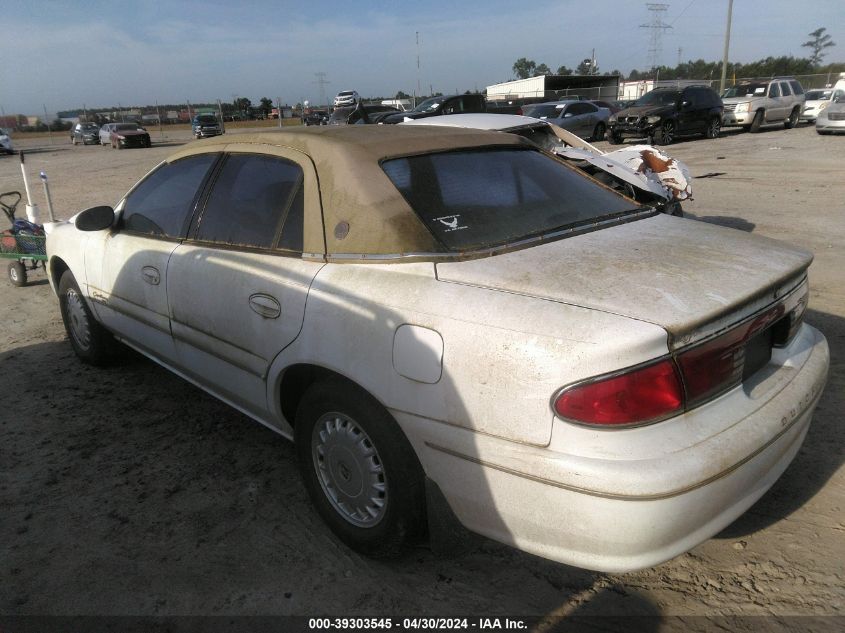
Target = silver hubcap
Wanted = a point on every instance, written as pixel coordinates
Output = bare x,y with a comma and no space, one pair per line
349,469
77,319
13,273
668,132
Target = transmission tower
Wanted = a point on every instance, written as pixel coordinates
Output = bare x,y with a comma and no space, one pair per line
656,26
321,81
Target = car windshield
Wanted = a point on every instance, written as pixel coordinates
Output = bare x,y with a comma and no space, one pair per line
543,110
658,97
482,198
430,105
818,95
745,90
341,114
345,94
125,127
90,127
207,118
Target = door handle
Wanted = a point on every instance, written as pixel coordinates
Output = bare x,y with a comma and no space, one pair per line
265,306
150,275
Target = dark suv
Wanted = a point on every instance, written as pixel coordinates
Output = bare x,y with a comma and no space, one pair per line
455,104
205,125
664,114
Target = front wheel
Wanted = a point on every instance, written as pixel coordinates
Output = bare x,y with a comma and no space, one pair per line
598,133
666,134
17,274
361,473
756,122
91,342
614,138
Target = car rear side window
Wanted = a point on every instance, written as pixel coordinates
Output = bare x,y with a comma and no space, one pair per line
482,198
251,200
796,87
161,203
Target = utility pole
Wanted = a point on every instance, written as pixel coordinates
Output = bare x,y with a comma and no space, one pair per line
657,26
727,45
680,52
321,81
418,64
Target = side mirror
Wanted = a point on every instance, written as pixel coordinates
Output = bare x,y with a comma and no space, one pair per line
95,219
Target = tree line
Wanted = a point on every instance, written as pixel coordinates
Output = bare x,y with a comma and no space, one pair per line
818,44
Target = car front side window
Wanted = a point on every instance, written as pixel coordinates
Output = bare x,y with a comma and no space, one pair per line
160,205
774,91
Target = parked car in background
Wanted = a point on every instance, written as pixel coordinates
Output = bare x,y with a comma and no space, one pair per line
6,142
831,120
816,101
105,133
316,117
753,104
85,133
664,114
457,325
640,172
346,98
360,113
436,106
583,118
609,105
125,135
205,125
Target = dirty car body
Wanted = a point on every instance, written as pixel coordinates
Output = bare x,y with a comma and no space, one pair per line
455,315
641,172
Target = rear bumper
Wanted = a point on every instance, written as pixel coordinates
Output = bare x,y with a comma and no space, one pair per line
630,500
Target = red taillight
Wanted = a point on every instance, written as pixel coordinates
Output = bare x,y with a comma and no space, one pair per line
519,111
642,395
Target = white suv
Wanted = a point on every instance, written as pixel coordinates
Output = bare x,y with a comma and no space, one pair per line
346,98
752,104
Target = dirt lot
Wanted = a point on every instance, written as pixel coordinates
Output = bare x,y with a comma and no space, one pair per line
127,491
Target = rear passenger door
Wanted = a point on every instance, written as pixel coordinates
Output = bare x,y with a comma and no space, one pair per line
775,110
238,284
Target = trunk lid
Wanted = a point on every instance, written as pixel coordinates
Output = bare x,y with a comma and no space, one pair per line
691,278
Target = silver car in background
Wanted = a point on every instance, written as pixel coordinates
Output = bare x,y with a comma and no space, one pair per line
582,118
831,120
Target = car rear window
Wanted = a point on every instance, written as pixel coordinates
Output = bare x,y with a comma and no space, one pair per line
475,199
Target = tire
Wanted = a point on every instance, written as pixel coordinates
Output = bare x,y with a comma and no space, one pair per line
713,128
757,122
74,141
614,139
598,133
344,436
91,342
792,121
17,274
666,134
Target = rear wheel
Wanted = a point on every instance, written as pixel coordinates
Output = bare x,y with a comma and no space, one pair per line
598,133
359,469
792,121
713,128
91,342
757,122
17,274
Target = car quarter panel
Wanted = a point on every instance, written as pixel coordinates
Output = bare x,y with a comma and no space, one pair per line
503,355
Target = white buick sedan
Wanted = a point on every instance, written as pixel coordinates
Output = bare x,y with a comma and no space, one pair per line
455,324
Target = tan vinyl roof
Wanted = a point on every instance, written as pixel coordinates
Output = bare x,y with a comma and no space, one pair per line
353,188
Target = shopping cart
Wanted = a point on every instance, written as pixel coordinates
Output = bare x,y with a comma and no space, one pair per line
24,242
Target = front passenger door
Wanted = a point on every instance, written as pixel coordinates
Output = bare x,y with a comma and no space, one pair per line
127,270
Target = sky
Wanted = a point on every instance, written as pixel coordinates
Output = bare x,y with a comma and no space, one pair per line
63,54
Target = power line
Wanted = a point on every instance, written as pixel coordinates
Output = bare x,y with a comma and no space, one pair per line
657,26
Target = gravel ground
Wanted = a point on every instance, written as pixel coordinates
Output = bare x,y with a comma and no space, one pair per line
126,491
